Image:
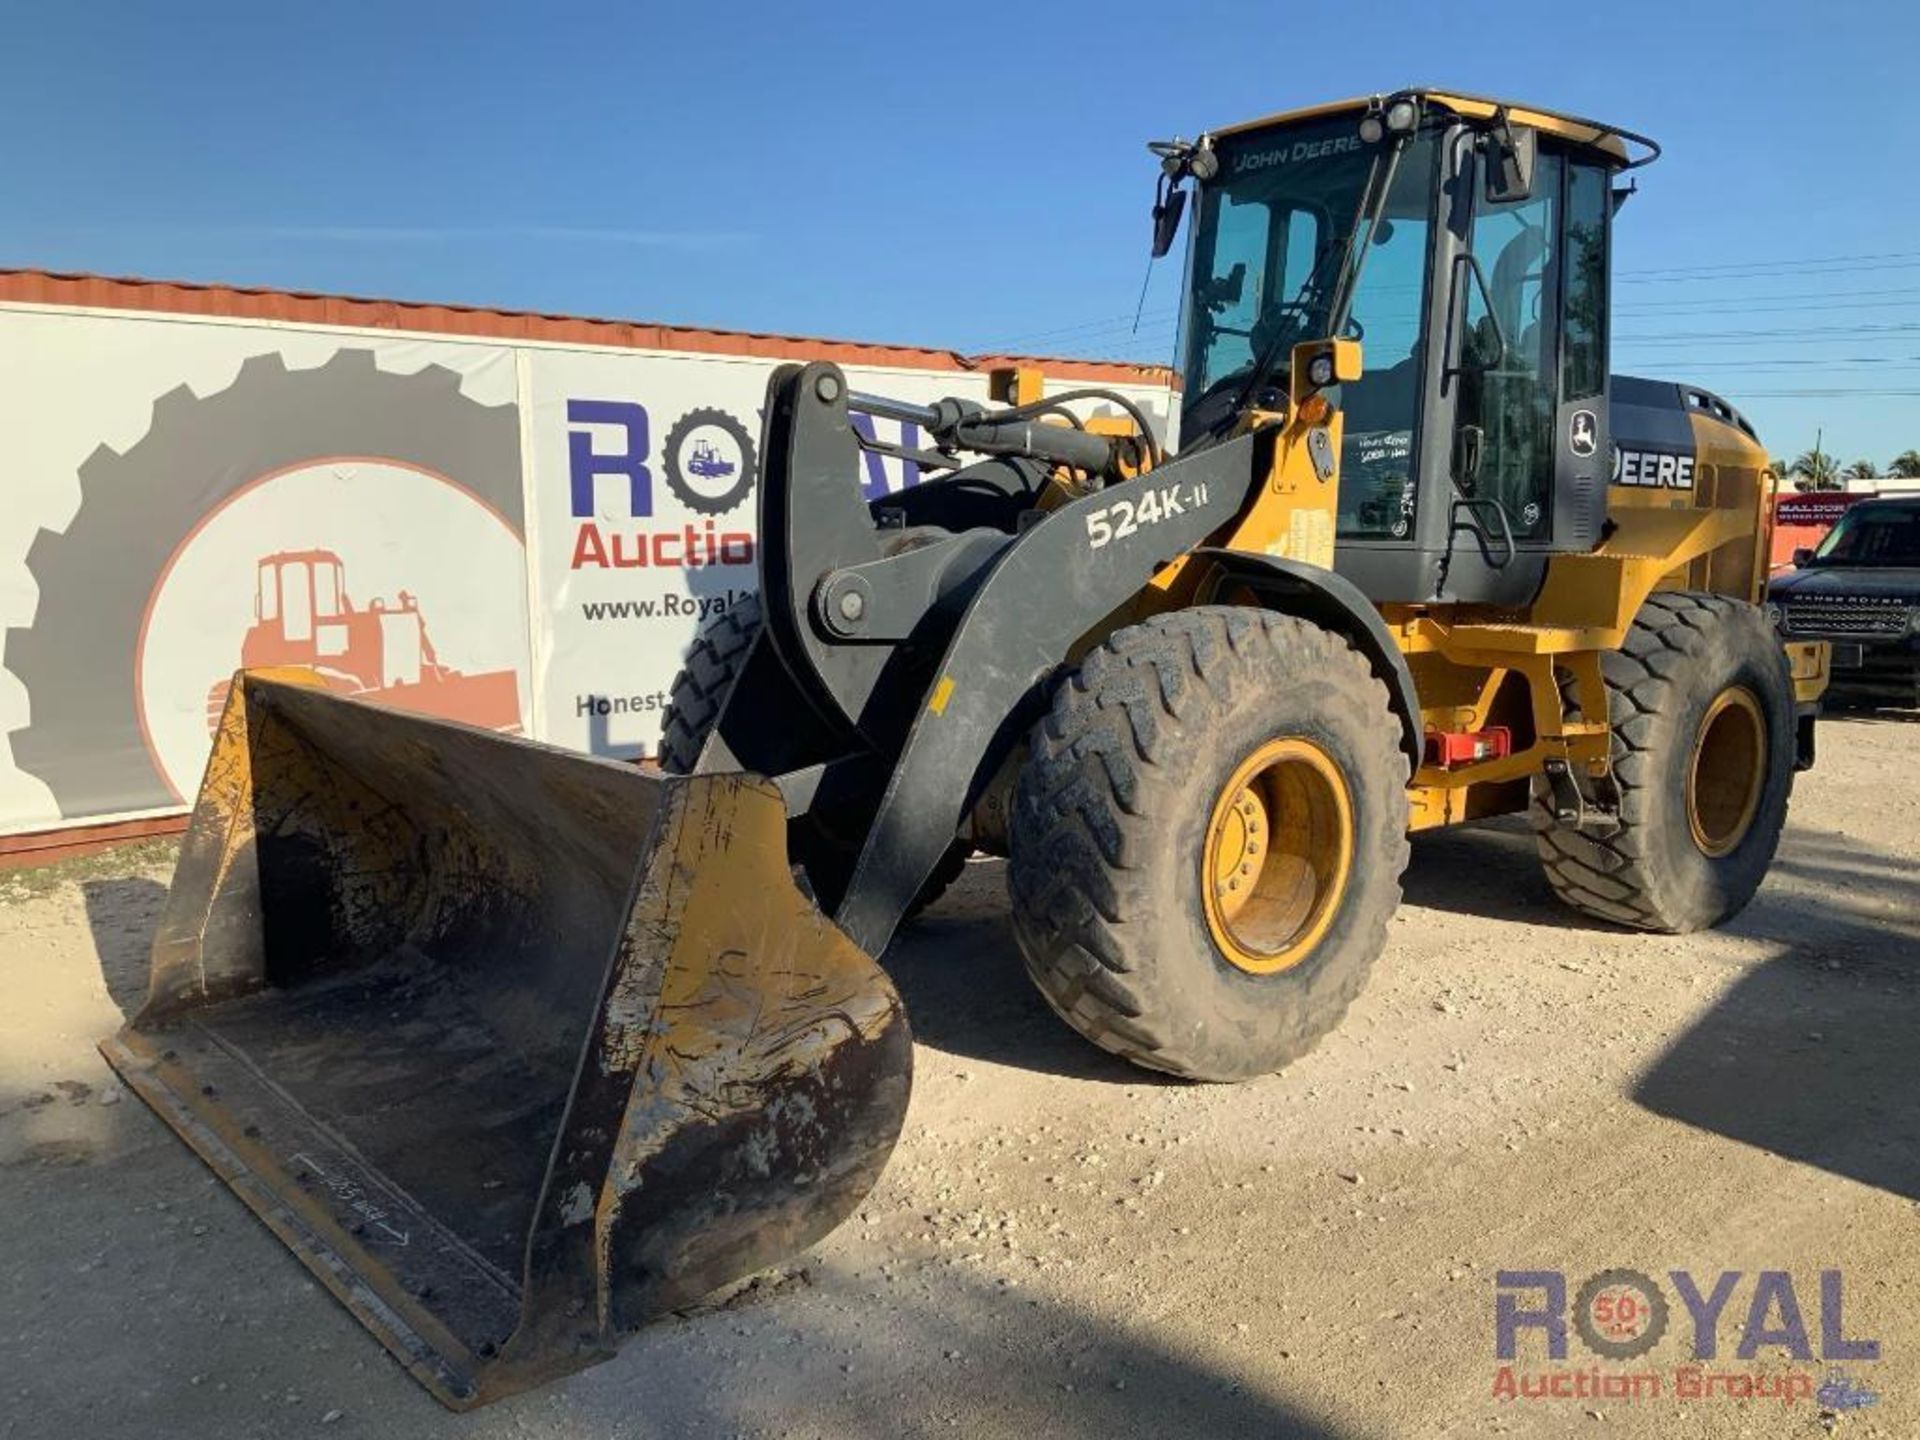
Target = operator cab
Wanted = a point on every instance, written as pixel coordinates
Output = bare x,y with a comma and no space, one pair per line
1465,244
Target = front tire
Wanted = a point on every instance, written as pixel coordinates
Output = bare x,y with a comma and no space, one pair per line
1701,702
693,708
1207,840
704,682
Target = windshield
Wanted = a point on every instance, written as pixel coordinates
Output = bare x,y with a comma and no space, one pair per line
1873,535
1267,243
1270,241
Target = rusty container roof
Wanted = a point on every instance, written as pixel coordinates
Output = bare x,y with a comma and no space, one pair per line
245,303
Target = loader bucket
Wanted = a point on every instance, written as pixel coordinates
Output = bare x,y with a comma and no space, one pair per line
515,1048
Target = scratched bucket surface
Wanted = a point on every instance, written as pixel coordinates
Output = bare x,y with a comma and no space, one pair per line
515,1048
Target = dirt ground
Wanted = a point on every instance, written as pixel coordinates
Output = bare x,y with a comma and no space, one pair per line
1065,1246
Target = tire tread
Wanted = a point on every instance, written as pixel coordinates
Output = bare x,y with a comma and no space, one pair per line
1088,799
1612,877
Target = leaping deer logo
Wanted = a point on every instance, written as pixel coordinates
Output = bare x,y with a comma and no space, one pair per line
1582,437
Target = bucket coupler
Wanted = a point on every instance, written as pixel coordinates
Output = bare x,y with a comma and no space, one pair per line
898,669
515,1048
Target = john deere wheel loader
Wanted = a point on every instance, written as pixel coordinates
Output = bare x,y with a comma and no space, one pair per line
519,1048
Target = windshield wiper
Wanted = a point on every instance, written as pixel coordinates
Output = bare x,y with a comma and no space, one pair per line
1373,203
1292,324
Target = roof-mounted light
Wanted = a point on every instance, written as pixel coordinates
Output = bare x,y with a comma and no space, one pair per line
1396,116
1181,158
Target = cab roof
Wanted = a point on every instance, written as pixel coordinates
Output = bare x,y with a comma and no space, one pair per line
1625,148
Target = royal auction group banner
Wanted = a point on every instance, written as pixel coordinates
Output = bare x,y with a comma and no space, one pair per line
522,536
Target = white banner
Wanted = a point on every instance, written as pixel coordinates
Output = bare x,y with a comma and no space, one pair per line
185,498
642,498
188,495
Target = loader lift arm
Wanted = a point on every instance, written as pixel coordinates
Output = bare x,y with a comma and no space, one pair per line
922,667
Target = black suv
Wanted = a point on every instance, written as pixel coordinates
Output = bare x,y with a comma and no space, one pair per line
1860,590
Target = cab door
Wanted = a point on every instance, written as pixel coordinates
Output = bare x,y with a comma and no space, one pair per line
1530,422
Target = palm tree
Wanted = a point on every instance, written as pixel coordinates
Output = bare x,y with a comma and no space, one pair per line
1862,470
1906,465
1817,470
1780,470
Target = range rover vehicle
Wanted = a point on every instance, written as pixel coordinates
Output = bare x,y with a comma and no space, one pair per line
1859,589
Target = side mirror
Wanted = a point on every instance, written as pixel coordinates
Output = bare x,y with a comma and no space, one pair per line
1228,288
1167,210
1802,557
1510,152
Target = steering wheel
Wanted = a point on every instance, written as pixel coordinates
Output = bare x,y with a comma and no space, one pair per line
1273,319
1352,330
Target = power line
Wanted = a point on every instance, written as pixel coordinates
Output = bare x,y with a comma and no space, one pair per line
1683,270
1830,394
1688,337
1766,274
1118,324
1882,363
1834,300
1155,329
1150,338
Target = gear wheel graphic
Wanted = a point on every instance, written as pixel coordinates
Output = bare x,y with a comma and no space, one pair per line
78,658
1651,1297
690,495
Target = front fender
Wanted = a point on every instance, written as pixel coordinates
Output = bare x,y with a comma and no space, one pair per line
1333,603
1045,590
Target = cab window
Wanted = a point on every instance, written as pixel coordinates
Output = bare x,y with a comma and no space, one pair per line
1583,354
1377,483
1510,369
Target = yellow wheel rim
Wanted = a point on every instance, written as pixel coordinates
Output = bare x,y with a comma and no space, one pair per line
1279,851
1725,774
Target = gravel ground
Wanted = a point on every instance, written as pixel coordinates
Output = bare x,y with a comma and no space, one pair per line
1065,1246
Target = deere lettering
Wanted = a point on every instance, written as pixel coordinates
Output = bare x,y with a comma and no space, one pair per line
1293,154
1653,468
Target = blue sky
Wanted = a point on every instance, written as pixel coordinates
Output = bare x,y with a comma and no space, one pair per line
964,176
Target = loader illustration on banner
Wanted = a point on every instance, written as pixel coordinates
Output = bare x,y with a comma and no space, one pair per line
706,462
304,617
141,594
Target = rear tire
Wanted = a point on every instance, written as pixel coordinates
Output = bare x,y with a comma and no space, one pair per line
693,709
1701,701
1115,868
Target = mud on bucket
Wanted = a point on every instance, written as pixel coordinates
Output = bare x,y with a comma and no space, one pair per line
515,1048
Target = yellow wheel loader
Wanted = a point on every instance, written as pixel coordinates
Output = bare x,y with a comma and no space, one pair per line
519,1048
